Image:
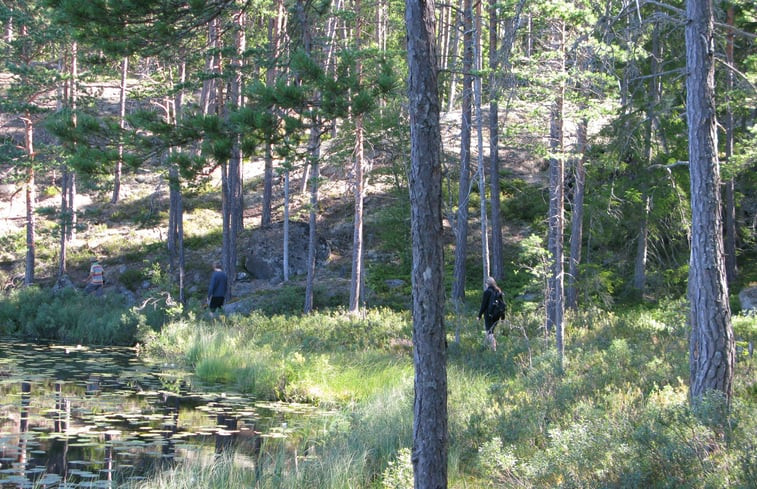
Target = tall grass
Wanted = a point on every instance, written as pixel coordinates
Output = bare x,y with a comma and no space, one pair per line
618,416
68,315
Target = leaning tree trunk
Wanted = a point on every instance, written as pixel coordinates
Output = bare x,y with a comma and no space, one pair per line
711,347
430,439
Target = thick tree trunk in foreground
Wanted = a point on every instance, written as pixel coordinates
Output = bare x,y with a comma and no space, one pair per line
430,442
711,347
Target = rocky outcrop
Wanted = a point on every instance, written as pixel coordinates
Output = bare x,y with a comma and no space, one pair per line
748,299
264,251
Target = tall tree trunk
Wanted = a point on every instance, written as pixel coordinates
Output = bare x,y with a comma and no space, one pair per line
577,218
655,89
68,176
122,126
275,26
236,163
497,254
640,261
555,300
711,347
478,61
430,439
64,220
176,205
30,201
314,156
232,176
459,26
356,279
499,66
267,204
208,102
464,187
286,222
71,229
445,35
731,266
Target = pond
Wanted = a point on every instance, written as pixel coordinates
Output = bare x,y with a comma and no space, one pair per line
73,416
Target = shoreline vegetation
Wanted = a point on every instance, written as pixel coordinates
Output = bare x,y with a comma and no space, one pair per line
618,416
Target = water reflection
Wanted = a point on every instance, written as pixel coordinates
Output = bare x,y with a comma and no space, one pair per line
79,417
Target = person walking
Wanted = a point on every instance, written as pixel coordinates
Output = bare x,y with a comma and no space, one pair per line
217,288
489,311
96,278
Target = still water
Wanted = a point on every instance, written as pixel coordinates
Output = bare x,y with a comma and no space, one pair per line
75,417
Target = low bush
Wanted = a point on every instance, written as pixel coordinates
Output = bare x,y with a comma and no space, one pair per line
69,316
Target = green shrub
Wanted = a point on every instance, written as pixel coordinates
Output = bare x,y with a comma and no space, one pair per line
132,278
68,315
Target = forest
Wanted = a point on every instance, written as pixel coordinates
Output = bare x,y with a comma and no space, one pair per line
359,169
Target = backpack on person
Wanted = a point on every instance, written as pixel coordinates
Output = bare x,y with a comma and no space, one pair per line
497,307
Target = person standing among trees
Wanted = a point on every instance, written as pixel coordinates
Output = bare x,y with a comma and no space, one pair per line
217,288
96,278
490,311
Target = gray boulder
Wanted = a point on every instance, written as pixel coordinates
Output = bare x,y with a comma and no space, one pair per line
748,299
243,307
264,255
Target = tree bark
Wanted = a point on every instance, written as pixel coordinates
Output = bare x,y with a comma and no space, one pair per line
711,347
430,441
711,355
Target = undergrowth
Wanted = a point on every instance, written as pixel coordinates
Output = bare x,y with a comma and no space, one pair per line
617,417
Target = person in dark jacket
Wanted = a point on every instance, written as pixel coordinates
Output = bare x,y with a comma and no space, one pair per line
217,288
489,322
